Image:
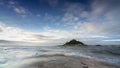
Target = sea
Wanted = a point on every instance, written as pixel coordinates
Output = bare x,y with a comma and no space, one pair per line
13,56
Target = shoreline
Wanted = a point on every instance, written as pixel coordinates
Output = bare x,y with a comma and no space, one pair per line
61,61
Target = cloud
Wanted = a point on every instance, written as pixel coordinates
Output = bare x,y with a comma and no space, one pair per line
102,19
1,2
113,40
13,43
94,22
61,36
71,34
1,29
97,24
38,15
17,8
107,15
70,19
15,35
53,3
72,12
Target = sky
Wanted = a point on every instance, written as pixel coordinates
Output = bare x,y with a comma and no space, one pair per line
53,22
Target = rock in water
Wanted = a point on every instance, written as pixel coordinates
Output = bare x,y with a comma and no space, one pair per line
73,42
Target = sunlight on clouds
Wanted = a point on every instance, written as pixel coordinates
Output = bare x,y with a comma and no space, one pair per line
72,34
16,34
116,40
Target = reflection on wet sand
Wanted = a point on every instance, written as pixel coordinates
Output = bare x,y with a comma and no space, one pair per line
61,61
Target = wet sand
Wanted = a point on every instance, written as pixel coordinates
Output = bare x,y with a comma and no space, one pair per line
61,61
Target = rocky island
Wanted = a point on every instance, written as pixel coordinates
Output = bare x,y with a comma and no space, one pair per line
74,42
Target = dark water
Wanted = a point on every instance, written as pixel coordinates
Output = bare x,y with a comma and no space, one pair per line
12,56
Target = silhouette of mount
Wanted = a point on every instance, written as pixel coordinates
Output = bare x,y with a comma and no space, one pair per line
74,42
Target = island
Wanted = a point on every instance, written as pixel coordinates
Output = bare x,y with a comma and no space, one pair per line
74,42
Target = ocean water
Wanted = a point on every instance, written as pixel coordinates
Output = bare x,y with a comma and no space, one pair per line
13,56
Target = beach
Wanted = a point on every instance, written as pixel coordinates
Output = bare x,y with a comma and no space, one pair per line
60,57
61,61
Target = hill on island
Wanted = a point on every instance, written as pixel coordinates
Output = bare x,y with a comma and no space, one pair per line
74,42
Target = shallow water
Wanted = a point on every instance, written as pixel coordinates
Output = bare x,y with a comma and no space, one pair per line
11,56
